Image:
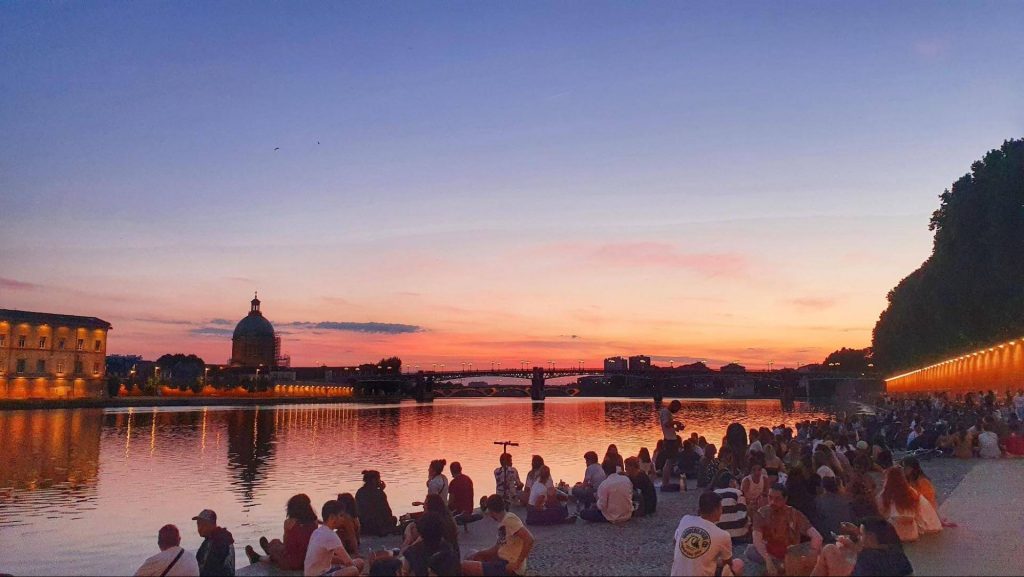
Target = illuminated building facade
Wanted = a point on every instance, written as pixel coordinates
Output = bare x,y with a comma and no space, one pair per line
254,343
998,368
51,356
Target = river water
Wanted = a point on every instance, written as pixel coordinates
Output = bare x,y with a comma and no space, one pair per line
83,491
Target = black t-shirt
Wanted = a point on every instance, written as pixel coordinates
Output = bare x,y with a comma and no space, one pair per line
643,484
418,555
888,561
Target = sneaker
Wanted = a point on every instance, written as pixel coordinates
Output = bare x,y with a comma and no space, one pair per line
251,554
265,545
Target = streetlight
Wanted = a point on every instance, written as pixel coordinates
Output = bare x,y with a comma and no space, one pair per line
433,367
463,367
471,367
206,376
492,366
671,364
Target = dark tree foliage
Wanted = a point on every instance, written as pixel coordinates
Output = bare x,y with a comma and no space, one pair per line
393,364
970,291
849,360
180,370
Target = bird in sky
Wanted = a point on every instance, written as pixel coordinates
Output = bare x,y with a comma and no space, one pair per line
278,148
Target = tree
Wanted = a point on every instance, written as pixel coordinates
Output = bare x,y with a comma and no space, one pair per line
391,364
181,371
968,293
850,360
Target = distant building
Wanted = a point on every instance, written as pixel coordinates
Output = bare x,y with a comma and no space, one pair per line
733,368
254,343
698,367
51,356
615,365
639,363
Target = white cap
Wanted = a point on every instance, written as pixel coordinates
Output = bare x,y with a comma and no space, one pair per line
826,471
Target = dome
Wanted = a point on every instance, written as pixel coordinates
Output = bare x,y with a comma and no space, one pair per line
254,325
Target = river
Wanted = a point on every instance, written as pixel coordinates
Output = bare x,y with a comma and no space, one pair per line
84,491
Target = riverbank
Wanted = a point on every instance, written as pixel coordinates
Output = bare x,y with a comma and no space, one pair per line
644,546
145,402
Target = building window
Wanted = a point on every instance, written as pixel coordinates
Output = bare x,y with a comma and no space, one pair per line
3,340
42,342
97,345
81,344
96,368
60,344
60,367
78,367
21,366
40,366
21,341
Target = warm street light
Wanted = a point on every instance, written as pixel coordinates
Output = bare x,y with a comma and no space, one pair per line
671,364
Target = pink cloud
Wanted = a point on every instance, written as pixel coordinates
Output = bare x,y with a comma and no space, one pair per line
16,285
652,255
814,303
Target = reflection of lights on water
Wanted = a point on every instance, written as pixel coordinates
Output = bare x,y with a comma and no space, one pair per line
152,435
203,446
128,438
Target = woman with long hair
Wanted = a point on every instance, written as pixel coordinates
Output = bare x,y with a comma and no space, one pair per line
919,481
646,463
375,517
531,477
348,532
543,507
909,512
435,505
289,553
612,456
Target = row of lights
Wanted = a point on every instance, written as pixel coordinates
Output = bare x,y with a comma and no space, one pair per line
956,359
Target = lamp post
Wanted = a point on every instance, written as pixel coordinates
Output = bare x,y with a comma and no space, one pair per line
671,364
206,376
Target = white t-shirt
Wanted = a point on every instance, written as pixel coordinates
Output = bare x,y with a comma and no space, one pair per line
667,428
155,565
537,491
699,544
988,443
438,486
322,544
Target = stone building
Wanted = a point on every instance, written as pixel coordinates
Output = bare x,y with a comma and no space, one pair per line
51,356
254,343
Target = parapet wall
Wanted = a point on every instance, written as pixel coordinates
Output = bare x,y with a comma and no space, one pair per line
999,368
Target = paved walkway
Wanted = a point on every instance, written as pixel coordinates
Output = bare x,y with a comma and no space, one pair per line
988,507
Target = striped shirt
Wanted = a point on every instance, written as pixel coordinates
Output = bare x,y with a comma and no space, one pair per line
734,513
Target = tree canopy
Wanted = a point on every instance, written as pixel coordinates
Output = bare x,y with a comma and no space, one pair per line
181,370
970,291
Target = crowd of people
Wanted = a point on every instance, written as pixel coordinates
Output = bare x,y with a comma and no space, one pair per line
824,497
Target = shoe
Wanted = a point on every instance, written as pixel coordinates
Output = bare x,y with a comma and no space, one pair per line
265,545
251,554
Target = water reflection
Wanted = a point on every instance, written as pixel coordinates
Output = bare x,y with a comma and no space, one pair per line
102,483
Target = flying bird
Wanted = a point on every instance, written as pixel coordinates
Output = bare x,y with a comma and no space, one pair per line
278,148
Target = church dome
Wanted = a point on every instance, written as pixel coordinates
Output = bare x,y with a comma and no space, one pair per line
254,343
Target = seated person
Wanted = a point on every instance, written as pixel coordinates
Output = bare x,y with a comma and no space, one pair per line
586,492
460,492
543,507
326,553
431,529
508,555
879,550
172,560
433,505
701,548
735,518
777,528
375,517
614,499
506,480
289,553
643,486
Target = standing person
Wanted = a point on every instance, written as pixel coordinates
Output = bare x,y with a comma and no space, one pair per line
299,524
437,483
460,492
643,484
508,555
614,499
326,553
375,517
172,560
506,479
216,556
669,430
777,527
593,476
701,548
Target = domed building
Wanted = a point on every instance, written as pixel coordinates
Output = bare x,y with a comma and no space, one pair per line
254,343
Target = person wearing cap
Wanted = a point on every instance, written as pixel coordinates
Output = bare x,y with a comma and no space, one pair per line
172,560
216,556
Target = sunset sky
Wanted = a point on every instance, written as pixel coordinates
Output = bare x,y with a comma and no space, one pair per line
481,181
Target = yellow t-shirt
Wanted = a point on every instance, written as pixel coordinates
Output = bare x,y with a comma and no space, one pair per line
510,542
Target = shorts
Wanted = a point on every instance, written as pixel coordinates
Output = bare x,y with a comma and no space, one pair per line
671,449
497,568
